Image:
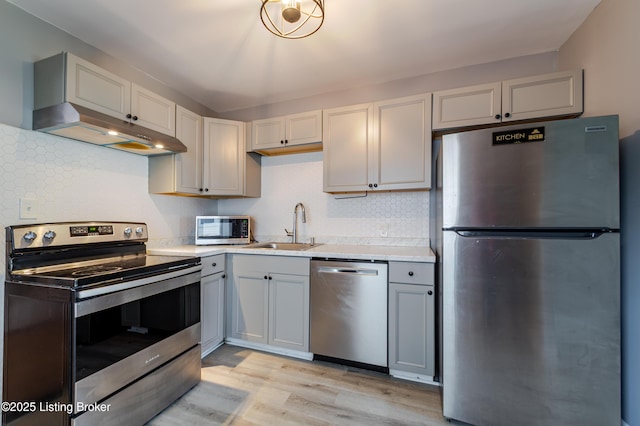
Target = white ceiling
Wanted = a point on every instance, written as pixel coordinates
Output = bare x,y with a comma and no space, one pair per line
218,53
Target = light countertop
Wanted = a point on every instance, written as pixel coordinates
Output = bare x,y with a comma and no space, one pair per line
340,251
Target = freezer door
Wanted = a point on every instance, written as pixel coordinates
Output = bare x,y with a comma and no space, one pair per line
566,177
531,330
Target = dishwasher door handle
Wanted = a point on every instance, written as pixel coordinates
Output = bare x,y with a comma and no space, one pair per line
350,271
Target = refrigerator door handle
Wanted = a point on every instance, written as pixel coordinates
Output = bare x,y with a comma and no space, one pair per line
587,234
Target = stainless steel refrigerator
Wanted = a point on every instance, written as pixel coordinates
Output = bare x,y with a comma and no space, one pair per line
530,274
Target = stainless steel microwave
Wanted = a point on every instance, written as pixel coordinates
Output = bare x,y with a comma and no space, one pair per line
223,230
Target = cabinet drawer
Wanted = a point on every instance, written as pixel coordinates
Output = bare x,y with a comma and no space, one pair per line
411,273
212,264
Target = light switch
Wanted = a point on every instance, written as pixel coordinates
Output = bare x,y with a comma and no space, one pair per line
28,208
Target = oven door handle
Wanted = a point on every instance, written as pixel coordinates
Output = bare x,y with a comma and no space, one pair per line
128,291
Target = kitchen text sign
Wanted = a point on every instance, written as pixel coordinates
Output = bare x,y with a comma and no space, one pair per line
534,134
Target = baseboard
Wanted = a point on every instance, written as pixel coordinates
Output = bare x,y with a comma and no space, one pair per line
210,349
414,377
271,349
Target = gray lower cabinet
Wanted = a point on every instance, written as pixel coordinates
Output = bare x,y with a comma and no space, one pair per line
270,300
412,320
212,302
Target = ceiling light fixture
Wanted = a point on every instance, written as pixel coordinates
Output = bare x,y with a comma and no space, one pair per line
292,18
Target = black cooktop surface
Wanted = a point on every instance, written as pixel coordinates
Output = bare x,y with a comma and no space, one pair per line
102,271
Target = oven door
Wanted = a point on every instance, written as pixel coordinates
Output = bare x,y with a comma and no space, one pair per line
121,336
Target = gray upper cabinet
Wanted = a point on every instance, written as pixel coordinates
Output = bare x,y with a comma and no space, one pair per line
228,169
93,87
292,133
347,141
546,95
180,173
153,111
100,90
381,146
215,165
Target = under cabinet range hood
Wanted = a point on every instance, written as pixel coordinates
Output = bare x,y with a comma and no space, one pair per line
83,124
76,99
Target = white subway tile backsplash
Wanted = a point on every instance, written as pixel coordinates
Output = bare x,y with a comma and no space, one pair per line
287,180
73,180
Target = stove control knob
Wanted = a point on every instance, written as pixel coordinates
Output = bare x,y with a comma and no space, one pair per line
139,231
49,235
127,231
30,236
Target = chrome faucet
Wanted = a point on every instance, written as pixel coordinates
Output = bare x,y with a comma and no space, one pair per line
294,234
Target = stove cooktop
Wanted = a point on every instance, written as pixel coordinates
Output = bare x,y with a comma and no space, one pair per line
81,274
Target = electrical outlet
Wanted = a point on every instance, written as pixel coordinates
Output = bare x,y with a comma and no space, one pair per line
28,208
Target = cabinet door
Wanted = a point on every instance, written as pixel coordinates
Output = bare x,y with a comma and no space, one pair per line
289,311
401,154
188,165
467,106
152,111
212,314
90,86
224,159
267,133
411,329
304,128
553,94
250,307
346,142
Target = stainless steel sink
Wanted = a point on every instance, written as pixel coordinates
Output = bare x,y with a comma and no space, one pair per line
282,246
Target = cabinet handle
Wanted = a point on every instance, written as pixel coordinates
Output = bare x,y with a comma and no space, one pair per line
429,292
134,118
206,190
282,142
410,273
286,141
214,264
224,275
128,116
507,114
269,276
265,277
201,189
497,116
370,185
375,185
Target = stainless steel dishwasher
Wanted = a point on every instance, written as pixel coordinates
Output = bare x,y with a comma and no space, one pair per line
349,311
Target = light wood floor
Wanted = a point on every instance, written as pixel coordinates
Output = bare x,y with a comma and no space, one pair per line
245,387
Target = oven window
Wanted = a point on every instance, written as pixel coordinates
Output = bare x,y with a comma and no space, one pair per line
108,336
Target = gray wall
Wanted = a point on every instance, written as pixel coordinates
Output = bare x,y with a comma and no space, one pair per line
606,46
72,180
467,76
25,39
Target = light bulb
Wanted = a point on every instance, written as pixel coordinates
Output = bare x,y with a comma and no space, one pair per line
291,10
